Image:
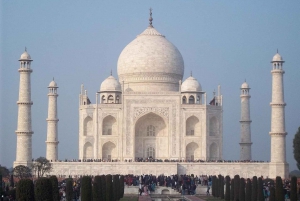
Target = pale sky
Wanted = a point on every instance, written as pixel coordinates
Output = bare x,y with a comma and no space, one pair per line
222,42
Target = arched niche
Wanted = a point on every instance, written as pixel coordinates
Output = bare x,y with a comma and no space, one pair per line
191,99
109,151
88,151
151,131
213,126
183,100
88,126
213,151
192,150
192,126
109,126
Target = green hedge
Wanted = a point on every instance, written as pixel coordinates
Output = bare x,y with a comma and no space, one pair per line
242,190
109,188
232,190
254,188
248,190
103,187
97,188
86,188
43,189
279,189
25,190
236,187
260,192
227,192
116,188
69,189
121,186
55,191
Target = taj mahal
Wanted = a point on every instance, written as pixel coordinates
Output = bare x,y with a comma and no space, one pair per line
149,112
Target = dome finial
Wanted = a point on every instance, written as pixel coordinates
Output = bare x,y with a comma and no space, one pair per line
25,49
53,79
150,18
110,72
277,50
191,73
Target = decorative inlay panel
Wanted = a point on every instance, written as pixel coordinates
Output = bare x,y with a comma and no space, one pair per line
139,111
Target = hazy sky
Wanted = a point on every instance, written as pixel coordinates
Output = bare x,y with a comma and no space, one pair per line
222,42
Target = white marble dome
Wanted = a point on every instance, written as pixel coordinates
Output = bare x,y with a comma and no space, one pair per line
151,61
110,84
25,56
245,85
53,84
191,85
277,57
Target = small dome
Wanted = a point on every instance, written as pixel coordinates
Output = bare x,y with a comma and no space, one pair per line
191,85
110,84
53,84
25,56
245,85
277,57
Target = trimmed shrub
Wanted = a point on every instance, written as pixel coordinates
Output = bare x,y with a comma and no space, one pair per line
293,189
213,186
242,190
108,181
217,187
116,188
43,189
25,190
97,188
232,190
254,189
227,192
69,189
248,190
279,189
86,188
103,188
55,192
236,187
260,190
121,186
272,194
221,188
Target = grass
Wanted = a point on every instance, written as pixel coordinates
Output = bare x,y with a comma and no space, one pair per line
209,198
130,198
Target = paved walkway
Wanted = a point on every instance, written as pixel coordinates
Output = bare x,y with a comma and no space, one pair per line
145,198
193,198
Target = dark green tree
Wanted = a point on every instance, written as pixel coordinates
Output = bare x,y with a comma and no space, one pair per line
22,172
121,186
97,188
116,188
12,181
254,189
293,189
217,186
279,189
272,194
213,186
55,191
103,187
69,189
242,190
296,145
248,190
25,190
86,188
227,192
108,181
221,188
236,187
43,189
260,192
4,171
232,190
41,166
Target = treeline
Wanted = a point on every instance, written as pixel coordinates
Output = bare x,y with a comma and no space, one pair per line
239,189
104,188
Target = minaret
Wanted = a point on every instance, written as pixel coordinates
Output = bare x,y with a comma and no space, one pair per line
52,141
24,131
245,144
278,133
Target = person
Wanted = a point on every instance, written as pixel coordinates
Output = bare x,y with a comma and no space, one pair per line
208,188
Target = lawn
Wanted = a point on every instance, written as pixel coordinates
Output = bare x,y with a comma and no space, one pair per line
130,198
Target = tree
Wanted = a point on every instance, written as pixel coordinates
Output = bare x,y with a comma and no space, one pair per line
25,190
22,172
296,145
232,190
103,187
4,171
43,189
69,189
86,188
279,189
221,189
108,181
227,192
248,190
236,187
55,191
242,190
260,192
121,186
293,188
116,188
41,166
254,188
97,188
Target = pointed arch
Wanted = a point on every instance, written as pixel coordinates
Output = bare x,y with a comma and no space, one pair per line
109,151
103,99
192,126
183,100
191,99
192,150
213,151
213,126
110,99
88,151
88,126
109,126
